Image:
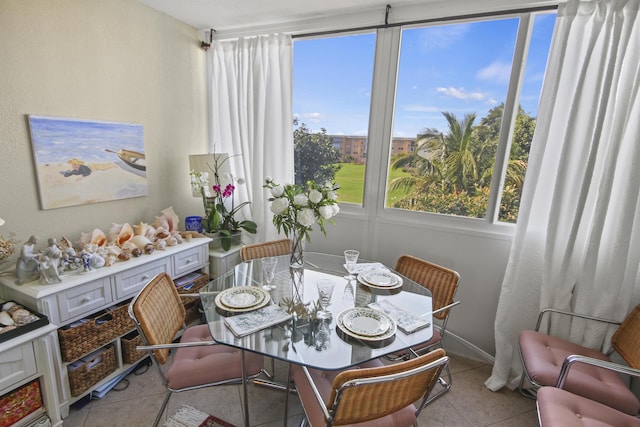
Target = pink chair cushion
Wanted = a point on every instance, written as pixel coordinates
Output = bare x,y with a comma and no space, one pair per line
563,409
543,355
323,381
194,366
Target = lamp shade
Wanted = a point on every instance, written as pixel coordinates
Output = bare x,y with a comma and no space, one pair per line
206,163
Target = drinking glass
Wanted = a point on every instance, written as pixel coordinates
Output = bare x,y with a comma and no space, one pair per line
268,272
325,290
350,260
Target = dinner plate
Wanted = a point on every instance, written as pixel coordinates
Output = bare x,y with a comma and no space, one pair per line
380,279
366,322
385,335
242,298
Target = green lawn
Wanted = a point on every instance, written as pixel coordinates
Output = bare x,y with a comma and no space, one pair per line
350,178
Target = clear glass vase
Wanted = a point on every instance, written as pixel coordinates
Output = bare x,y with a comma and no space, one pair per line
297,249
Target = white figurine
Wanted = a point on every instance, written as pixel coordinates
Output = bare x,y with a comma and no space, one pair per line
27,265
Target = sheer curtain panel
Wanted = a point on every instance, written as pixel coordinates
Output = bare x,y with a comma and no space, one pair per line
250,104
577,241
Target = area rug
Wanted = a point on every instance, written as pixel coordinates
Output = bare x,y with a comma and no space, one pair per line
188,416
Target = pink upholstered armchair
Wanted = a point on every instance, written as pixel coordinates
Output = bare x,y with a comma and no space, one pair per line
551,361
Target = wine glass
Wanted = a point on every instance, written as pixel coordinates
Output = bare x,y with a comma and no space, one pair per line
350,260
325,290
268,272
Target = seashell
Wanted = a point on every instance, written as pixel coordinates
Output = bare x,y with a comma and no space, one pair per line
112,249
178,237
110,260
125,234
98,238
171,241
90,248
84,240
148,249
6,319
161,222
7,329
124,256
128,246
161,233
114,230
172,219
65,242
140,229
140,241
160,245
7,305
136,252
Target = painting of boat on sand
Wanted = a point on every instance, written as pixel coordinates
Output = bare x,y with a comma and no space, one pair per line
82,161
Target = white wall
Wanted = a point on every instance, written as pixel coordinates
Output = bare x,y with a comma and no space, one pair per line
115,60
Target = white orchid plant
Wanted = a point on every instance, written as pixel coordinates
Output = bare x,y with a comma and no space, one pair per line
297,209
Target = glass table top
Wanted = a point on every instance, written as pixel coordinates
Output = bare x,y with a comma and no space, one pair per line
304,339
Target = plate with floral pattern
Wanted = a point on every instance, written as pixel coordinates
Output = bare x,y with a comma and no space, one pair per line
366,324
380,279
242,298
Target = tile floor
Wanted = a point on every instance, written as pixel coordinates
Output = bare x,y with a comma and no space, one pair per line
468,403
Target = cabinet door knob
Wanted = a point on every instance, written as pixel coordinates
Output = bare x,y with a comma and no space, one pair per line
145,277
85,300
188,261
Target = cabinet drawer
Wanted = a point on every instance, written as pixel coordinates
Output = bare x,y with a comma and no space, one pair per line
189,260
16,365
129,283
84,299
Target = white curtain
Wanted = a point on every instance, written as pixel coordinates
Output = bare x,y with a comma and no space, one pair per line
250,100
577,242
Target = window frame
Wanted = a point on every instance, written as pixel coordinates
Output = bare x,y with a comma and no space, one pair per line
380,131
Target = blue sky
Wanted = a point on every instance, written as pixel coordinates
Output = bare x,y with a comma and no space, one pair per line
459,68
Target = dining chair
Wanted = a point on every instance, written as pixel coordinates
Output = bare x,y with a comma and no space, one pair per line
560,408
197,361
443,284
262,250
265,249
372,394
548,360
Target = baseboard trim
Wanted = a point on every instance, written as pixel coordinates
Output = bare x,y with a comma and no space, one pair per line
472,348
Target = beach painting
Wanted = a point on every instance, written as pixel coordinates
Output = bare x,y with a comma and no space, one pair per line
84,161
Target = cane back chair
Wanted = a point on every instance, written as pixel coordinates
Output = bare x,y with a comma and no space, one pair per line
265,249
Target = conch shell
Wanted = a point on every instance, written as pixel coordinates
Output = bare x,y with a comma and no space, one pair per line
144,229
140,241
96,238
168,220
126,234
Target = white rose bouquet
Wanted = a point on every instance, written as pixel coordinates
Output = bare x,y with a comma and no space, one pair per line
296,209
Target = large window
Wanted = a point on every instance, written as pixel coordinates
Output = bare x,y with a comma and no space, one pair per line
460,129
332,97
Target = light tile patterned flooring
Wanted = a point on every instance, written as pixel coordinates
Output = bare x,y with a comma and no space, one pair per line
468,403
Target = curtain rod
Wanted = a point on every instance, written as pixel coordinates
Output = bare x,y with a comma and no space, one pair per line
424,21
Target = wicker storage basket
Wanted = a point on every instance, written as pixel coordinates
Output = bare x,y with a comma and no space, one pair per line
88,371
192,287
129,353
97,331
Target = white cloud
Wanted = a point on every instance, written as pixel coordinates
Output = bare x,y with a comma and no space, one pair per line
460,93
497,71
443,37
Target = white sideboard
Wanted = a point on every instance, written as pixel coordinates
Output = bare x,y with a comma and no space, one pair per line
26,358
82,294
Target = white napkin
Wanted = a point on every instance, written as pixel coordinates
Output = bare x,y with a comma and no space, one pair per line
366,266
407,322
248,323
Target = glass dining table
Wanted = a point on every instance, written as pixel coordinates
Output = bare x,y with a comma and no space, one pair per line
301,338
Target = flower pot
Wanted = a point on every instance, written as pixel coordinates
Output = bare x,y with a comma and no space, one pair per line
216,243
